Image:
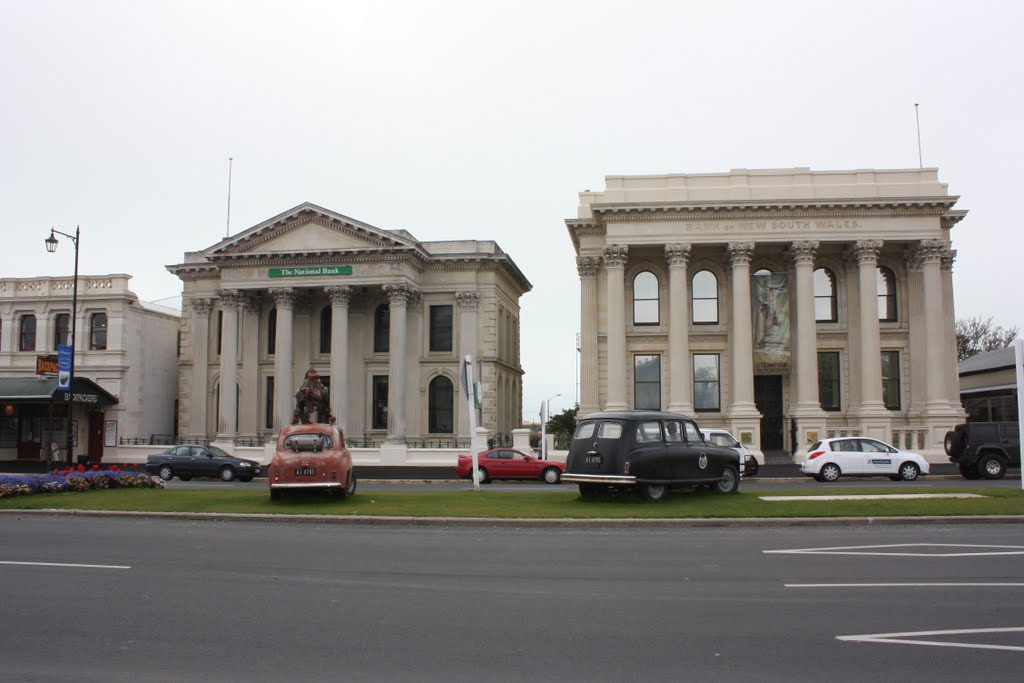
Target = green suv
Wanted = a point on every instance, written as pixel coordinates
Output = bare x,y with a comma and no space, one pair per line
984,449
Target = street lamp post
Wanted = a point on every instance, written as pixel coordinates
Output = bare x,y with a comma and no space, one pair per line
51,246
544,425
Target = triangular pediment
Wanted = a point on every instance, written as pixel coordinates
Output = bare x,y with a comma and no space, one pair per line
310,228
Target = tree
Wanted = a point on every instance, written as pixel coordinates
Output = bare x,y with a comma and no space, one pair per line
564,422
974,335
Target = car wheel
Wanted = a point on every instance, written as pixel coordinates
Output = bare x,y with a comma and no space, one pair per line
969,473
653,492
350,488
552,475
166,472
909,471
951,442
592,491
992,467
830,472
185,477
227,473
729,482
482,476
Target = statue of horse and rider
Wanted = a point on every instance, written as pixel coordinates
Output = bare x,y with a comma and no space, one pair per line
312,396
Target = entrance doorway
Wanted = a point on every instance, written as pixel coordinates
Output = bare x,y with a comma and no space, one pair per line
95,437
768,397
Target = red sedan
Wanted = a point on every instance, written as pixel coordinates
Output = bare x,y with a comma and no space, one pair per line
507,463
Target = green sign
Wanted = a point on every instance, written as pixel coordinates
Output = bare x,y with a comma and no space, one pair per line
309,271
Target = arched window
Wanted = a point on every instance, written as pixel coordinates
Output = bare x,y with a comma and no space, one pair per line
705,297
27,333
826,310
98,331
382,329
645,299
272,332
886,294
325,330
61,330
441,406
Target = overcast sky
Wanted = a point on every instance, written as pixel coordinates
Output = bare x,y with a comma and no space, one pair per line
483,120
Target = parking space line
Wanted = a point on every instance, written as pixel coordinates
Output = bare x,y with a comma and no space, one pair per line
882,550
71,566
932,584
908,638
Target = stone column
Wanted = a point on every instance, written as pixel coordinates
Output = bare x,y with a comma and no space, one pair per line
340,296
949,330
200,314
468,303
866,253
398,299
930,254
680,388
229,301
810,418
590,401
615,270
284,392
744,417
249,411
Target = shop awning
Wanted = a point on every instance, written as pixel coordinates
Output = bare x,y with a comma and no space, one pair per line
44,389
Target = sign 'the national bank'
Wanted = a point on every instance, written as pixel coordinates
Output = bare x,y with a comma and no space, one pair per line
309,271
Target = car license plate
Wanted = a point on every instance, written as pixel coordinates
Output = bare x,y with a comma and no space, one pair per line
594,460
305,471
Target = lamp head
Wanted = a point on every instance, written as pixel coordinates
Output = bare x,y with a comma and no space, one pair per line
51,242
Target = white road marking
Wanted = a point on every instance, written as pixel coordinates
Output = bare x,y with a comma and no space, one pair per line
872,550
873,496
61,564
909,638
933,584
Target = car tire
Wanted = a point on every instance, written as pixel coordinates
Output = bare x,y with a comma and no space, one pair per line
350,487
227,473
551,475
969,472
991,467
592,491
729,482
185,477
909,471
166,472
951,443
830,472
653,492
483,476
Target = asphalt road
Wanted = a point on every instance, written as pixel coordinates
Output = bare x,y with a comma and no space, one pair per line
171,600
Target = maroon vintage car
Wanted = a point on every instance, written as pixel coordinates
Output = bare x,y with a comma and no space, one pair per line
508,463
311,456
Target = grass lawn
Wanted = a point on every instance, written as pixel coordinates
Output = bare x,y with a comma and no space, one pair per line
568,504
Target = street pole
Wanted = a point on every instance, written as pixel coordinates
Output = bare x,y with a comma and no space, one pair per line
51,246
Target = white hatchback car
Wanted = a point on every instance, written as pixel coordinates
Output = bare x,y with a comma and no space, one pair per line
721,437
859,456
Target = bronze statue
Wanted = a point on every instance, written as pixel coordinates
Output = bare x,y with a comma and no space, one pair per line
312,396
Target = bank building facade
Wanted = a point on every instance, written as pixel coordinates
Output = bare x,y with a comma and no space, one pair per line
786,305
386,320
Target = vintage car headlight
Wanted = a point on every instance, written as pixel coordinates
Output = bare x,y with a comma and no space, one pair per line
244,464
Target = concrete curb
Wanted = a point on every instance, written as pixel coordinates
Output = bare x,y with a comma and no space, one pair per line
371,520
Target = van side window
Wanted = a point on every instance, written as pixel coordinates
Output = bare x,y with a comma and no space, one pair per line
609,430
585,431
692,433
648,431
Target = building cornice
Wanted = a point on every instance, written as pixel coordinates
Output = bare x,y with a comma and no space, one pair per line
831,208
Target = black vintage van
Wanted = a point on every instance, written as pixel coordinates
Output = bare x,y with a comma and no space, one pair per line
652,451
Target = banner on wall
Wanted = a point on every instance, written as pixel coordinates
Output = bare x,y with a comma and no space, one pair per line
770,303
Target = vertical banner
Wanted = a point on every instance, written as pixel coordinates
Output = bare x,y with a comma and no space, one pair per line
770,303
63,367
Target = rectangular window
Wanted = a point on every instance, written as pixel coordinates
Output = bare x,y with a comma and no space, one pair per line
27,341
62,330
891,379
828,380
647,382
220,330
380,402
441,328
269,421
706,382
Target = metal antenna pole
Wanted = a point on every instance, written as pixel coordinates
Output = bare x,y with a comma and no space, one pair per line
917,116
227,227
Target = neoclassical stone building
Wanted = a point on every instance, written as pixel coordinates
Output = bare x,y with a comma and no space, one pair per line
785,304
384,318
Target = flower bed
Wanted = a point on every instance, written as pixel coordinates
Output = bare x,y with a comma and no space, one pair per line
76,479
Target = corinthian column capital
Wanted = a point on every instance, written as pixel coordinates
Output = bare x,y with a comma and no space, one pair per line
740,253
866,251
587,266
677,254
615,255
803,253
